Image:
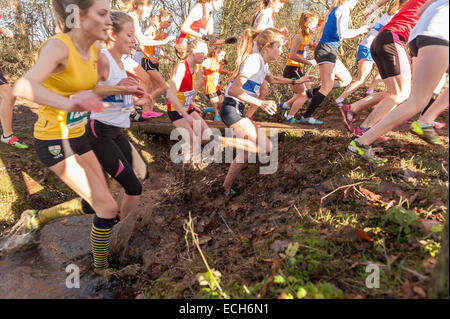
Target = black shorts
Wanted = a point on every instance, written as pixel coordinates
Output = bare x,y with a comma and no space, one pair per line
292,72
54,151
175,116
423,41
2,78
389,53
232,111
147,65
215,94
325,52
113,151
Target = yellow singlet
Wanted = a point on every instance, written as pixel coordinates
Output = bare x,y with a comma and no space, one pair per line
56,124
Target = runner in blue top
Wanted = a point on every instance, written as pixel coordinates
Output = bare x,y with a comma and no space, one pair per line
326,54
364,58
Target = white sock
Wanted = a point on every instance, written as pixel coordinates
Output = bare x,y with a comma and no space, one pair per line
339,100
289,117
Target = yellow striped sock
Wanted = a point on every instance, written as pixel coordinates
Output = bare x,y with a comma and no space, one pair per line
69,208
100,237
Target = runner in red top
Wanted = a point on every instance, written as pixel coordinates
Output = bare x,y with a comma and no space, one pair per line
199,24
389,53
405,20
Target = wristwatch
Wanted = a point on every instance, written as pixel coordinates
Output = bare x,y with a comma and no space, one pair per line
293,81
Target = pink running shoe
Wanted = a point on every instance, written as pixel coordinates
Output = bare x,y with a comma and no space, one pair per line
359,132
347,116
439,125
150,114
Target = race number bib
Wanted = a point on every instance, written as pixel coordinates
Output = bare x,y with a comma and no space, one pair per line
188,97
216,79
305,51
128,104
156,52
75,119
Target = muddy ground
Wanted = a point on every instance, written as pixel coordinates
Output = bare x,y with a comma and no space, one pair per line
242,237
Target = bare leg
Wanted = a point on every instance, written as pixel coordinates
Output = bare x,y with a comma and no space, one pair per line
7,101
431,63
376,80
398,88
368,101
84,176
364,68
129,203
439,106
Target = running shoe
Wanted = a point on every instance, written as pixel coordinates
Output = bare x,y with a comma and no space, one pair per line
439,125
217,118
150,114
232,193
283,107
292,121
137,117
359,132
339,104
365,152
347,117
311,121
27,223
208,110
13,141
428,134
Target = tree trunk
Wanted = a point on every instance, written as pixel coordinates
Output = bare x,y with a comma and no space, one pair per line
439,280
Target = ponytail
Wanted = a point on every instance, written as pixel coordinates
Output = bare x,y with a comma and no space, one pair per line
252,37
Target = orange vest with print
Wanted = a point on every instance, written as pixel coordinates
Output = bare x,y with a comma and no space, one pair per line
302,51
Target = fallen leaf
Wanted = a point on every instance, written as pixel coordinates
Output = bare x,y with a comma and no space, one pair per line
279,245
363,235
419,292
204,240
407,291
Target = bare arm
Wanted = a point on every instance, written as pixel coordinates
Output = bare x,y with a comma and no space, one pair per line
424,7
52,58
195,14
237,91
342,17
296,41
278,80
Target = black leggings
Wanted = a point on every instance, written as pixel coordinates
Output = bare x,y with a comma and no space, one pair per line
113,151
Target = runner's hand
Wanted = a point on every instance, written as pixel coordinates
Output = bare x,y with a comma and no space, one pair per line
190,120
8,33
86,101
304,79
312,62
285,31
129,81
135,90
270,107
364,29
197,109
209,38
